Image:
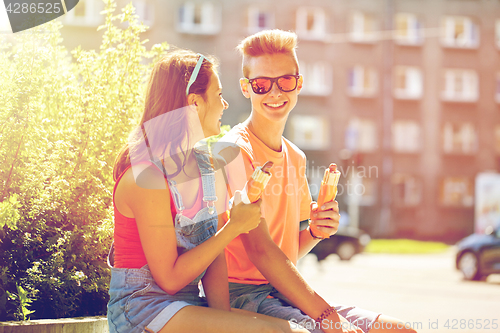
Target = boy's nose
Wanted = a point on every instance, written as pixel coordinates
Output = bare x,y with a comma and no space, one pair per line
275,91
226,104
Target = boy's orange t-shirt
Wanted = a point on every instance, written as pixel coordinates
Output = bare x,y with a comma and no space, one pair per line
285,201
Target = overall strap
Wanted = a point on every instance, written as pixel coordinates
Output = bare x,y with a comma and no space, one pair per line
179,205
204,159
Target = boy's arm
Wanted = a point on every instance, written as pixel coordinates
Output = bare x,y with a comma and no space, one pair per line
306,242
215,284
215,281
281,272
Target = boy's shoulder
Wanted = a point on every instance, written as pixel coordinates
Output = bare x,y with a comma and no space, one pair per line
239,136
293,149
237,132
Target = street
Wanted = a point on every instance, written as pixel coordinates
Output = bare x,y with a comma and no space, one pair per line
424,290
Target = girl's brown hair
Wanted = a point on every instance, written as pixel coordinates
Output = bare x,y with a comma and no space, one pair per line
165,92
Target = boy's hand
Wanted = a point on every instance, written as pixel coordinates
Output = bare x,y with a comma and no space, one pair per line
327,217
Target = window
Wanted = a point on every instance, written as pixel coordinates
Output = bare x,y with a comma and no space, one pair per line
85,13
362,82
144,9
201,18
457,191
362,28
317,78
408,29
459,139
460,85
309,132
259,19
406,190
361,135
361,189
460,31
407,82
311,23
497,88
369,195
497,33
406,136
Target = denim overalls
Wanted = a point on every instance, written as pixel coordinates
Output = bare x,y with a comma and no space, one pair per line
137,303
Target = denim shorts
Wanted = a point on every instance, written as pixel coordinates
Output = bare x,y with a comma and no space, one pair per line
256,298
138,304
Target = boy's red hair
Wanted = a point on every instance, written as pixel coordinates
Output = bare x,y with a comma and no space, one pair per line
268,42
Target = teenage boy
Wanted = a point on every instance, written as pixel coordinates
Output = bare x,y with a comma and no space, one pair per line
261,264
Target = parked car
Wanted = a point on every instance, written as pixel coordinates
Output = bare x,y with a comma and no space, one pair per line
479,255
347,242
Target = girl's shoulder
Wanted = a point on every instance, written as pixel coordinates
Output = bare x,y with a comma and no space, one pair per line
139,185
144,176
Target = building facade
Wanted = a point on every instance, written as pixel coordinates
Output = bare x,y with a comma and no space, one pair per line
404,95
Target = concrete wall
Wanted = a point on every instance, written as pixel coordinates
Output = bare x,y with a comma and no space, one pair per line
66,325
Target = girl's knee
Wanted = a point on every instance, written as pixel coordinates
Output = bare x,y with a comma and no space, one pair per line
271,328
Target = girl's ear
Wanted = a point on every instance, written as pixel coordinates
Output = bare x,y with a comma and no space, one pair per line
244,87
192,99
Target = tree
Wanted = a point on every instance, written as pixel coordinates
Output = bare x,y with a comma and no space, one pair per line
61,126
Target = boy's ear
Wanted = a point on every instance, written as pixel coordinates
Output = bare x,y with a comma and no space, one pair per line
244,87
299,84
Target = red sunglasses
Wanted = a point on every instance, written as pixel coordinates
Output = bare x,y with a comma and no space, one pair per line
263,85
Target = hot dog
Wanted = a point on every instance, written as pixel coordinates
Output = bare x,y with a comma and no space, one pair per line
255,185
327,192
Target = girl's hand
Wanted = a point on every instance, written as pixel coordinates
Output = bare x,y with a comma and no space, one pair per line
244,217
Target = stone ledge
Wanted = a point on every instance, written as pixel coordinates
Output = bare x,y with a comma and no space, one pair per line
63,325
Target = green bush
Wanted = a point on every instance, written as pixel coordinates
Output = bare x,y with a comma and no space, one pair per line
62,123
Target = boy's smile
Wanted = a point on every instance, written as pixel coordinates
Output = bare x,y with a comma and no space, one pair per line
276,106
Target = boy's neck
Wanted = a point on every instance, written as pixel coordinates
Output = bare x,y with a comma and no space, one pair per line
267,131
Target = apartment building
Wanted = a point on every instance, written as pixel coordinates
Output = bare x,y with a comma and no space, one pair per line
404,95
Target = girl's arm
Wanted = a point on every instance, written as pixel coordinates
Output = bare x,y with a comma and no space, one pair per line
151,210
